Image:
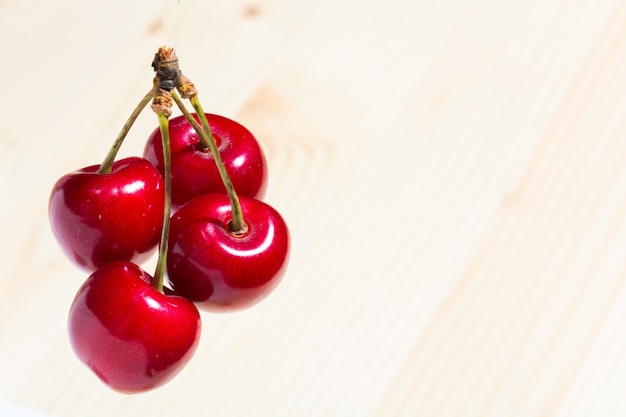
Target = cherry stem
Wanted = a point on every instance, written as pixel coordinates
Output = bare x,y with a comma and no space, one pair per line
159,273
237,225
107,164
203,139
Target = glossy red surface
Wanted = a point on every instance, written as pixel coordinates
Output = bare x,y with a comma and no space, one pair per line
133,337
100,218
194,171
218,270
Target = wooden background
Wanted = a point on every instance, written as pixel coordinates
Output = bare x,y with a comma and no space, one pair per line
453,174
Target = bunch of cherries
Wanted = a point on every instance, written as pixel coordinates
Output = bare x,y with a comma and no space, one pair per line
220,249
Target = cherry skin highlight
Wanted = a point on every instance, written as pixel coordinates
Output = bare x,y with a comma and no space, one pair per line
193,168
100,218
219,270
133,337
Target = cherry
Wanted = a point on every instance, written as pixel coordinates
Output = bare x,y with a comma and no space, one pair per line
221,251
194,171
220,269
133,337
100,217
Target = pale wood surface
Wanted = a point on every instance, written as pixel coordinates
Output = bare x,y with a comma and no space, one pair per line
453,173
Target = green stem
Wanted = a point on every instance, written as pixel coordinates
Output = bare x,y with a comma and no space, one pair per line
202,138
159,273
107,164
237,225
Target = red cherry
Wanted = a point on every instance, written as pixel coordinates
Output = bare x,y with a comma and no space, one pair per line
99,218
220,270
193,168
133,337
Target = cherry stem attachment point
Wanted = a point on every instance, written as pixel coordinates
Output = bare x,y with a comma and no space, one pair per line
159,273
237,225
107,164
